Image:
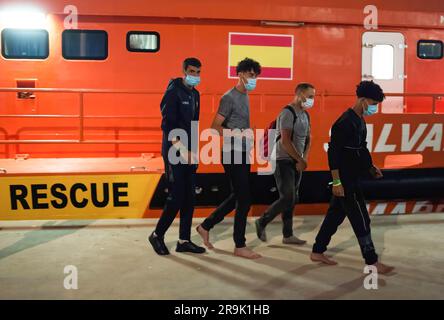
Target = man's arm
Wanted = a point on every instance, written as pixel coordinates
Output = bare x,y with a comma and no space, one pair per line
169,112
335,149
366,157
307,146
224,111
197,111
186,154
367,161
307,139
288,145
336,145
169,109
286,121
217,123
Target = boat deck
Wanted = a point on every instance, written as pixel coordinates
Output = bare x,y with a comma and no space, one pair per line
82,165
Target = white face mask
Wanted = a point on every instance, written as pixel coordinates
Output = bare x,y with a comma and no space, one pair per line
308,103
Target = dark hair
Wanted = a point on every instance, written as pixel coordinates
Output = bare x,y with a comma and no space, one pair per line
303,86
370,90
191,62
247,65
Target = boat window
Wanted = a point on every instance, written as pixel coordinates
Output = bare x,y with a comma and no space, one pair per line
430,49
84,44
383,62
143,41
25,44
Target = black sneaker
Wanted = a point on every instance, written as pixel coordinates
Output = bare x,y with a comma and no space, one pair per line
260,231
189,247
158,245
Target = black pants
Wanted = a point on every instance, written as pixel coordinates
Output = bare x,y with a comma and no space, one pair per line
181,196
287,181
239,199
353,206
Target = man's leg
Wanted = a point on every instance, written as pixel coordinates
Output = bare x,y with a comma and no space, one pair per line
285,177
186,214
176,187
365,239
287,219
187,207
287,215
221,211
175,181
225,207
360,221
335,216
241,187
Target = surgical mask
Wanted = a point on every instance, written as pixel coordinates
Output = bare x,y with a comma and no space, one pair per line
251,84
192,80
371,109
308,103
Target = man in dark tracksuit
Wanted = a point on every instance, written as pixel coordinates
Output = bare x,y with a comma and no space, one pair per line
349,158
180,108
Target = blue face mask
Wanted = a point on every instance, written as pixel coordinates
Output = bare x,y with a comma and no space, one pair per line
251,84
192,80
308,103
371,110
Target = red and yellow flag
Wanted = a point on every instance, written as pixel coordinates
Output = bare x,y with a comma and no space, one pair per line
273,52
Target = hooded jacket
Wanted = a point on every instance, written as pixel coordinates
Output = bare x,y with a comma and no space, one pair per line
179,107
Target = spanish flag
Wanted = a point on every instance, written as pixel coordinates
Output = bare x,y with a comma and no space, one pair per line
273,52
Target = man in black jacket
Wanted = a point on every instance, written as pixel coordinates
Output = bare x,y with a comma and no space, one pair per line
180,109
349,158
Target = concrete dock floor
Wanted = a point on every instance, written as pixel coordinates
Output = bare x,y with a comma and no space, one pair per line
114,261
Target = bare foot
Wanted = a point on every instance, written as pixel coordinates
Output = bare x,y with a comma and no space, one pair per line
205,236
319,257
383,268
246,253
